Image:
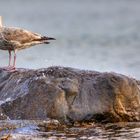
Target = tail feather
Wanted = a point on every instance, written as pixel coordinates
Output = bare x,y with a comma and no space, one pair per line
44,38
46,42
47,38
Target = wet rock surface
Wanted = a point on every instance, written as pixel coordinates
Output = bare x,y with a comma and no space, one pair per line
68,95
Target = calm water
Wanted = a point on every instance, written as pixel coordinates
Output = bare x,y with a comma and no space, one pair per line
102,35
99,35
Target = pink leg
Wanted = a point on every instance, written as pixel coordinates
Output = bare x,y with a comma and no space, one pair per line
9,67
9,58
14,64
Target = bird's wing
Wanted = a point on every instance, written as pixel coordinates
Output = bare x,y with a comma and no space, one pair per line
19,35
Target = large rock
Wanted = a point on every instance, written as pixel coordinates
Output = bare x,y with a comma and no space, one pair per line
68,94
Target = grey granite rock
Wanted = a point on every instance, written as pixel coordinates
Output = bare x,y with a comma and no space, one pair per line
68,94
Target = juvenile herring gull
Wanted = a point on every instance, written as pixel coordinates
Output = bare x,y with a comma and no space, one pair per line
14,39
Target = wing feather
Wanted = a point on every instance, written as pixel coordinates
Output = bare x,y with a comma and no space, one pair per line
19,35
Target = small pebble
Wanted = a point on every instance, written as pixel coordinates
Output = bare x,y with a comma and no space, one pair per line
90,138
53,138
71,138
83,138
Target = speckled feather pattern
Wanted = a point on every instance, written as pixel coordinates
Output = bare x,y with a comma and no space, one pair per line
15,38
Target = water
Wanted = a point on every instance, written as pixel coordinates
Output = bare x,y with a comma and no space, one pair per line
38,130
101,35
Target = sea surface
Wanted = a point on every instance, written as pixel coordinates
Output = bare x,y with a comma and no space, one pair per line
39,130
101,35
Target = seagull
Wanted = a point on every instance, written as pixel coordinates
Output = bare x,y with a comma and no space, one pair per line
14,39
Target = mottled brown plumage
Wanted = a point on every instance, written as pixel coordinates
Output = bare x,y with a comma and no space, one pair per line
13,39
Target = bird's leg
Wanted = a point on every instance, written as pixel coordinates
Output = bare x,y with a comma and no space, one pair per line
9,67
14,64
9,58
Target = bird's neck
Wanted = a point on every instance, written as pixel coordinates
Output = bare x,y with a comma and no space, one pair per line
0,21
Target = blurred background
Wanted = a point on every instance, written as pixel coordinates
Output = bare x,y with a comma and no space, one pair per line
101,35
